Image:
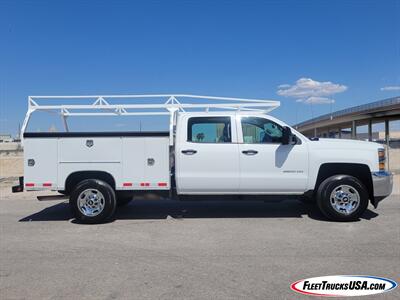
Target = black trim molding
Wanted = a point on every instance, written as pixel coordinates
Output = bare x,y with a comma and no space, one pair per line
94,134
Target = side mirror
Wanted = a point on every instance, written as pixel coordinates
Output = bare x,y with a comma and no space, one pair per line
288,137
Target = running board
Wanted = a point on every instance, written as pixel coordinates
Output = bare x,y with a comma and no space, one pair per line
52,197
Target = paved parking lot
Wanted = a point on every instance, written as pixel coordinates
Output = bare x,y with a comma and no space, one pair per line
201,250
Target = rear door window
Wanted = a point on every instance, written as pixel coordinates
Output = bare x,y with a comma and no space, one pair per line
209,130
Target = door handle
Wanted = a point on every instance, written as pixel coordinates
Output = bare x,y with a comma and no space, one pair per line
189,152
250,152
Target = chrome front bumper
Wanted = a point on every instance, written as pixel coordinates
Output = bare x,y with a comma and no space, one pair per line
383,185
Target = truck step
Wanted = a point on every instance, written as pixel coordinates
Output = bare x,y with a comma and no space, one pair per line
52,197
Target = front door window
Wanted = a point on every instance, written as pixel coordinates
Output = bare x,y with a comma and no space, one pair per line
261,131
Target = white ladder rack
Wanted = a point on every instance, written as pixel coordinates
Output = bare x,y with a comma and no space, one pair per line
100,105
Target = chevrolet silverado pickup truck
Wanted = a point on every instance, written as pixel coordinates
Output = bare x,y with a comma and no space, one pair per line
223,146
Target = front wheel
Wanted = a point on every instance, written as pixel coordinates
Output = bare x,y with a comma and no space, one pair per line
342,198
93,201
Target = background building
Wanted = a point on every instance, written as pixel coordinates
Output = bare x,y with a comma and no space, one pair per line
377,121
5,138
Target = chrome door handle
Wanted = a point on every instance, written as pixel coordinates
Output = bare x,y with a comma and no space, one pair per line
250,152
189,152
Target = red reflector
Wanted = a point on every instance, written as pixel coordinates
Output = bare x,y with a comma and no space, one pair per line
127,184
47,184
162,184
29,184
144,184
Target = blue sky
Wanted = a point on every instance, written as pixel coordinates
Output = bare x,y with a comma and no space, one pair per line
347,51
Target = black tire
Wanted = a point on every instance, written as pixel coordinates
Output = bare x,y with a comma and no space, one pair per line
335,182
109,201
124,198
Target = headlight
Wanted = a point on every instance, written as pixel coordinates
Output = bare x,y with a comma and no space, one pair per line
382,159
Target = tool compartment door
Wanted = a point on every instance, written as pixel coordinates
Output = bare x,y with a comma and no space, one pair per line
90,154
41,154
146,163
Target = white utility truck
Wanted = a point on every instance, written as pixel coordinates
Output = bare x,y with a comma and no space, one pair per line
221,146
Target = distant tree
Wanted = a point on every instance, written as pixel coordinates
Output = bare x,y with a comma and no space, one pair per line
200,137
53,128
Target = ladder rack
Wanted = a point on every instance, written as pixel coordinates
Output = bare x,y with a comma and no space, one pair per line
101,105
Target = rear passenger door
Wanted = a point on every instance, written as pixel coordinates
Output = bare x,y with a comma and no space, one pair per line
207,156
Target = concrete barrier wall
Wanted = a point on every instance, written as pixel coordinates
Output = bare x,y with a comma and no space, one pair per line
12,146
394,160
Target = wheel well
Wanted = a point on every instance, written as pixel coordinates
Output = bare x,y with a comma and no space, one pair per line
360,171
74,178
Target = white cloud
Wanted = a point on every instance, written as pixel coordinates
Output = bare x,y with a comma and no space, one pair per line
318,100
310,91
391,88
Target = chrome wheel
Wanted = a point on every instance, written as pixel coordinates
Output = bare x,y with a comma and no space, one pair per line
345,199
91,202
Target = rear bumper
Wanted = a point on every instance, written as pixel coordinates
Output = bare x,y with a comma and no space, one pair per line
383,185
20,187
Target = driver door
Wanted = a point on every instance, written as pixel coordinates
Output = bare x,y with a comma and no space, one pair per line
267,166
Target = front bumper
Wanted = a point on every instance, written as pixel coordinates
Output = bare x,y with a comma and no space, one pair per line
383,185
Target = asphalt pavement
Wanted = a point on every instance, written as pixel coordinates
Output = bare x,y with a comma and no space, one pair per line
161,249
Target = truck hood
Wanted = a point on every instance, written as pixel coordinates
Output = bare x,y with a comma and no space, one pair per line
323,143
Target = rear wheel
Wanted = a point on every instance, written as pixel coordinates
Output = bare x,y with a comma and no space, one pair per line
342,198
93,201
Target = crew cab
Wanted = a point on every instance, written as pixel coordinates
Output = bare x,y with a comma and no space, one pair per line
231,148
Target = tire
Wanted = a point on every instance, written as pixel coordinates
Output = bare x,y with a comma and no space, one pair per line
93,201
342,198
124,199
